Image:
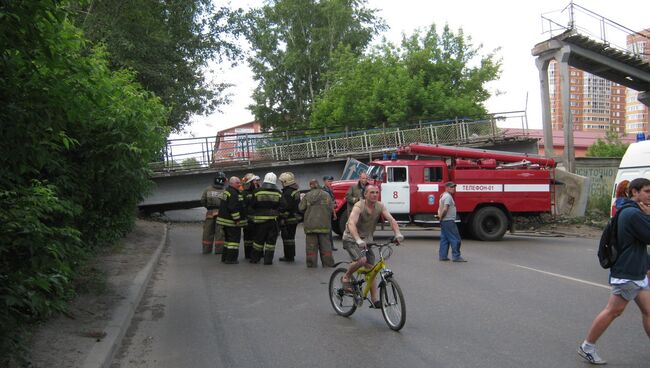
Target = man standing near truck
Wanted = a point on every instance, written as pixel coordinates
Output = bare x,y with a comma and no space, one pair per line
356,192
449,235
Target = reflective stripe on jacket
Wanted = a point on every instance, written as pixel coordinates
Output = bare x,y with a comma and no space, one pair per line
265,204
230,211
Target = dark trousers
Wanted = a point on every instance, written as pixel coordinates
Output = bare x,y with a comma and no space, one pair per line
249,238
288,234
266,235
232,235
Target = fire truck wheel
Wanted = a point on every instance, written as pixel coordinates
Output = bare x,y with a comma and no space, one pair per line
489,223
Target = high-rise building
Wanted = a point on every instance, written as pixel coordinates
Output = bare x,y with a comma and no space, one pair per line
636,113
596,103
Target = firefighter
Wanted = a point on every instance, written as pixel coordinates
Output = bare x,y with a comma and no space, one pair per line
356,192
230,218
317,206
265,208
211,199
250,182
290,216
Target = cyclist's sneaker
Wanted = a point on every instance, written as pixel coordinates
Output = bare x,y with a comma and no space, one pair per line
376,304
590,355
443,259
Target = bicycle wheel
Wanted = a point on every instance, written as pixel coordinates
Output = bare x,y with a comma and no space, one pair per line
342,301
392,305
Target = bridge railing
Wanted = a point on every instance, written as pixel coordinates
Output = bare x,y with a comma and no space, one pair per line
245,149
590,24
343,144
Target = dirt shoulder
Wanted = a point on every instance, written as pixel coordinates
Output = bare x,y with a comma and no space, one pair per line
68,339
559,226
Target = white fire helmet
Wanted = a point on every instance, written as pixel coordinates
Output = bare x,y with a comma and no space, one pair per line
270,178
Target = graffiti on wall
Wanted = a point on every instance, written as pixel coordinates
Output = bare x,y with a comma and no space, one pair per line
601,179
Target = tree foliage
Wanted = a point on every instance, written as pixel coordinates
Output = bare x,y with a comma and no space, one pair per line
430,76
77,140
292,44
168,44
611,146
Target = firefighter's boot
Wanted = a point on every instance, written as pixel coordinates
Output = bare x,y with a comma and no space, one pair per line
289,246
255,256
248,249
230,256
234,256
268,257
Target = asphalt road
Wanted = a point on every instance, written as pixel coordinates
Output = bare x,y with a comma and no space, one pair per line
523,301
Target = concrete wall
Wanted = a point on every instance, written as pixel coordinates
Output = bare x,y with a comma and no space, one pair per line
601,173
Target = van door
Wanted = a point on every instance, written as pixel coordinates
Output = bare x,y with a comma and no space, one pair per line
395,192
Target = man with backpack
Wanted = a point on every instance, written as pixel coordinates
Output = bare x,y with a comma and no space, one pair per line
630,271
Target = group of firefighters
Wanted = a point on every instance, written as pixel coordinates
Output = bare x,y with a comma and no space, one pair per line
260,211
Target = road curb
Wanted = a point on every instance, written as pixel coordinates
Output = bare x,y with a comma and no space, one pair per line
102,353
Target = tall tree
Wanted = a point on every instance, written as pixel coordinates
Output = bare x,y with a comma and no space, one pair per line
292,44
77,142
431,76
168,44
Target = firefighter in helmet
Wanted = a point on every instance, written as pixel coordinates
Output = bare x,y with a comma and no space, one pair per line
290,216
317,206
266,205
211,200
250,182
232,219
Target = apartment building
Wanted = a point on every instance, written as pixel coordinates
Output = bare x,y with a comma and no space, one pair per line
596,104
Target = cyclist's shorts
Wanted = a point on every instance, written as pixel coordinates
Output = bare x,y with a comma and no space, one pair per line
355,252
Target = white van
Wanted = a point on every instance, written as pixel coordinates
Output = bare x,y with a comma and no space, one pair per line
635,164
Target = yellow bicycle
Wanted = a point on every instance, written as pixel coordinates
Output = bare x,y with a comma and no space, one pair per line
346,301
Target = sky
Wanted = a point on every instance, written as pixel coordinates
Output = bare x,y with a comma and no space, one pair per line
513,26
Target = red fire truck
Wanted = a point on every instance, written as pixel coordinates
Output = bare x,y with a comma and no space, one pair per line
492,189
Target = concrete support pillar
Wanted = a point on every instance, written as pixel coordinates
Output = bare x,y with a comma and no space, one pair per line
567,119
547,119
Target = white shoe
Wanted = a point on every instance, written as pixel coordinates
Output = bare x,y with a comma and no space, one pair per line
591,356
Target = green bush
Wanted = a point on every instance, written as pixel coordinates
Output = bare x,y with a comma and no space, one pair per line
77,140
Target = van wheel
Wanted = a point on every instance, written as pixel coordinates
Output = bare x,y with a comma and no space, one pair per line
489,224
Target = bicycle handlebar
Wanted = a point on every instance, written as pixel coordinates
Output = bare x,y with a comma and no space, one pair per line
379,245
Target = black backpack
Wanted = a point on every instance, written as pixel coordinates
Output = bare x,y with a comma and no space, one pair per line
608,249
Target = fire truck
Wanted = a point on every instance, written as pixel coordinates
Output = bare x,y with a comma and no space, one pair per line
493,187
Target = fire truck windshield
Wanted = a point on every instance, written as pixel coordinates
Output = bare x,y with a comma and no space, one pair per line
375,172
